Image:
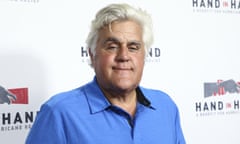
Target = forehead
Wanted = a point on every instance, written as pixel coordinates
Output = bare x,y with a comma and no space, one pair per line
123,30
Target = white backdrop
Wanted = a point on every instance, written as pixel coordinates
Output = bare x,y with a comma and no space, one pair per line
42,46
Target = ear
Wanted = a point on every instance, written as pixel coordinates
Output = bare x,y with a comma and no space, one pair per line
91,57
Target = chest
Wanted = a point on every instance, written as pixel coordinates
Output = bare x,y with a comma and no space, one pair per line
147,127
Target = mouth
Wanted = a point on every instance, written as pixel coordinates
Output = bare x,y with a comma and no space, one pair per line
122,68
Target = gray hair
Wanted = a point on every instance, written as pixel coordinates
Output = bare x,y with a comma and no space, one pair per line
120,12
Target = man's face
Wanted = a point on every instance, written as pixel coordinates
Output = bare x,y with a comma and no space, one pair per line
119,58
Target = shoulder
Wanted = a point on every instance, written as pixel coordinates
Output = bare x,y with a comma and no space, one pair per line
158,98
71,100
64,101
64,97
155,94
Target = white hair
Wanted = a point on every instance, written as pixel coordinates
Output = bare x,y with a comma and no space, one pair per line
120,12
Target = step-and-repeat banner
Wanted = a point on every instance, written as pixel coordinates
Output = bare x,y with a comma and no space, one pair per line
195,59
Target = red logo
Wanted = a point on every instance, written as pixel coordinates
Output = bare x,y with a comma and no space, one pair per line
21,95
14,96
221,88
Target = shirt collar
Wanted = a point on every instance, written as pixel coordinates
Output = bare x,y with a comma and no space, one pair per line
98,102
95,97
141,98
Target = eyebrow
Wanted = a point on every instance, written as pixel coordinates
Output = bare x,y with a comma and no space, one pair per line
135,43
113,39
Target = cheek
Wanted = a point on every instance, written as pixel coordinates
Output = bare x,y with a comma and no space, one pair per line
102,60
140,60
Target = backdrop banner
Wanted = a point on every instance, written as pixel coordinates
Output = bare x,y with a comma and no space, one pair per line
194,58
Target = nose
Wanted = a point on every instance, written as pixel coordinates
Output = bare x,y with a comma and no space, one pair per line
123,54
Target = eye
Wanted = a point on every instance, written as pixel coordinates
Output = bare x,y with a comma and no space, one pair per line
111,44
112,47
134,47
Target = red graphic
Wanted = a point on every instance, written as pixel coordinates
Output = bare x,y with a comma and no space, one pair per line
221,88
228,105
21,95
225,4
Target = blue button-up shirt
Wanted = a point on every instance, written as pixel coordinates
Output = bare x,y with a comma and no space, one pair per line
85,116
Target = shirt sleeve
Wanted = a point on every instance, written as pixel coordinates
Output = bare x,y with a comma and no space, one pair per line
179,133
47,128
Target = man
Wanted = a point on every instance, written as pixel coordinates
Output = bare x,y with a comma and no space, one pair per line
113,108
